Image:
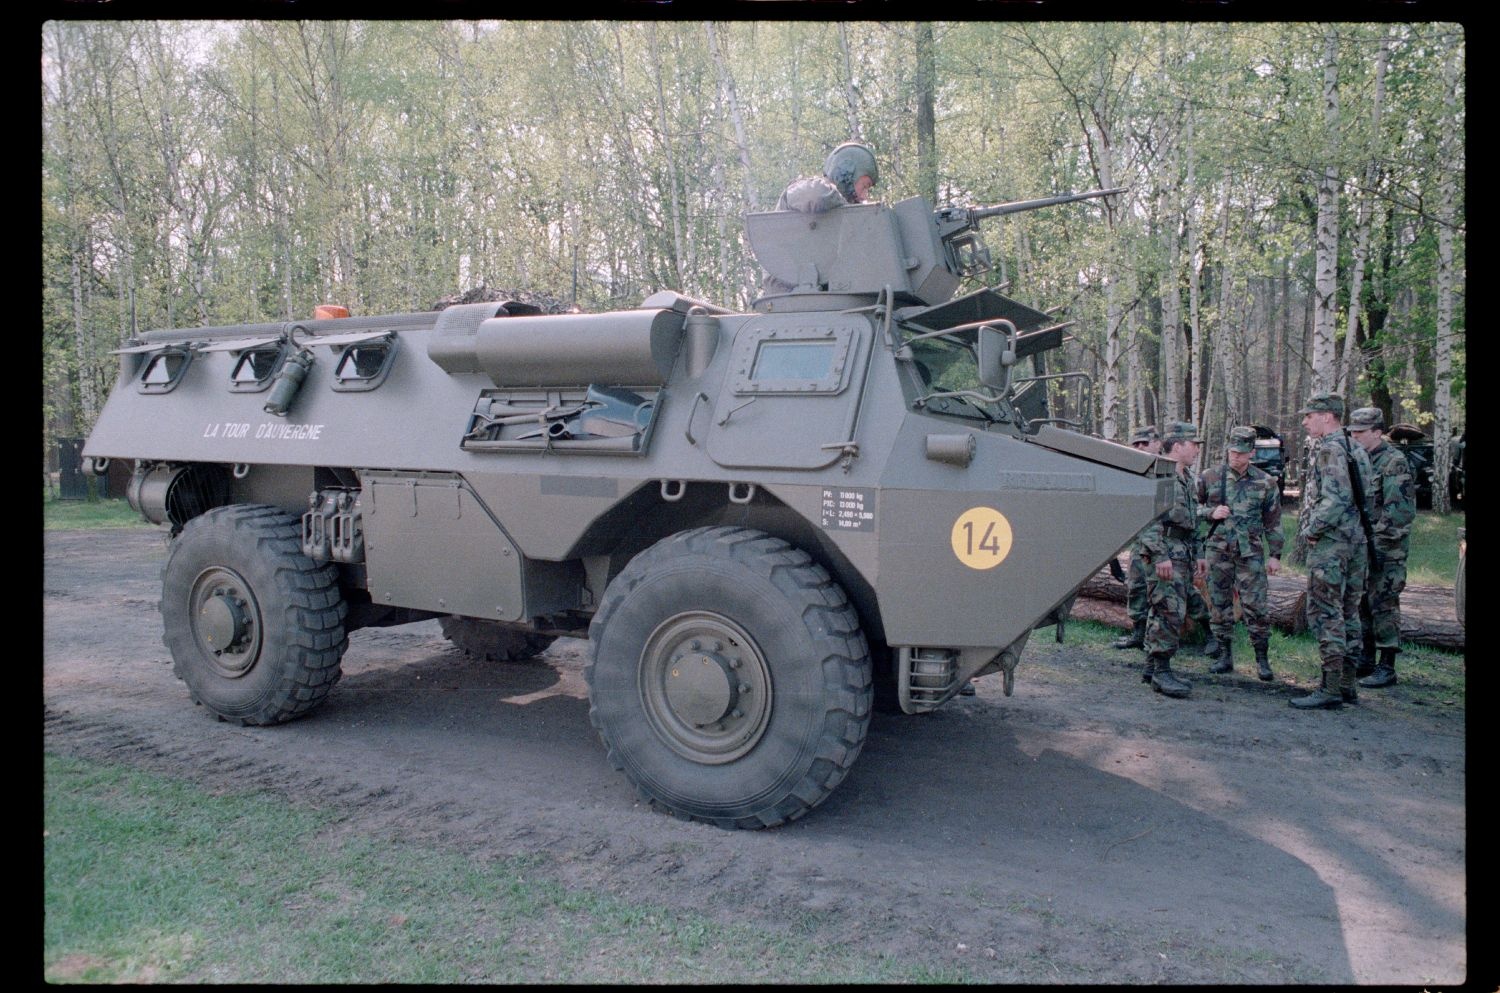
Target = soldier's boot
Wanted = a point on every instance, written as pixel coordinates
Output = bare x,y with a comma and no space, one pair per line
1211,646
1165,681
1384,673
1262,665
1326,696
1367,650
1150,667
1348,683
1224,659
1136,638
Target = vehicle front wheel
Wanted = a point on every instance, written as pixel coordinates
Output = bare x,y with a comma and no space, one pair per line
730,680
255,627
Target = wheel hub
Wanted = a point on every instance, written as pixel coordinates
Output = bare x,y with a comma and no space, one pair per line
706,687
224,621
700,688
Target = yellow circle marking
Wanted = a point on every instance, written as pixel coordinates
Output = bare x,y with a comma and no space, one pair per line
981,537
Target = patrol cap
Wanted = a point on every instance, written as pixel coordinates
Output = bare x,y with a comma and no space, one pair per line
1333,403
1366,419
1144,435
1242,439
1180,431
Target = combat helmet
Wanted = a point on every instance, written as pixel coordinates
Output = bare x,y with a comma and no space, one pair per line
846,163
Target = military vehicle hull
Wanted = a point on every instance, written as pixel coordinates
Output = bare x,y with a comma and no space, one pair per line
758,518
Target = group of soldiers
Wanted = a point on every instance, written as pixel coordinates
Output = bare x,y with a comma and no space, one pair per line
1224,526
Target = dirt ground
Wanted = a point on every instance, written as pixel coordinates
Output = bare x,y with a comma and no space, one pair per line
1083,830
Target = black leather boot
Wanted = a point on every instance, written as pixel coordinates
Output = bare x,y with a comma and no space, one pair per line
1211,646
1224,660
1165,681
1325,697
1384,673
1136,638
1262,665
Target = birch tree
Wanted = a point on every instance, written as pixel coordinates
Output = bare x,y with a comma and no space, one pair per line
1449,164
1325,288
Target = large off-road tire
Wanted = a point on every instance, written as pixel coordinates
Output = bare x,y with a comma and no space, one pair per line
730,680
255,628
491,641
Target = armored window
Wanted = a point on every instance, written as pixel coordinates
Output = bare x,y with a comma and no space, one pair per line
163,370
799,361
810,360
253,369
363,365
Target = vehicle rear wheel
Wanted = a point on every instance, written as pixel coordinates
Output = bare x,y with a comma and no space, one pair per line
730,680
255,627
492,641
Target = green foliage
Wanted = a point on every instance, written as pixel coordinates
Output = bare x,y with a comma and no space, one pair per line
215,172
151,880
68,515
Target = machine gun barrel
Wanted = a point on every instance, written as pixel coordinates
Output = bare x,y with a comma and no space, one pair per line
1000,209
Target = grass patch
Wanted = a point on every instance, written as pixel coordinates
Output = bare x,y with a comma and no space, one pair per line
71,515
152,880
1428,675
1432,561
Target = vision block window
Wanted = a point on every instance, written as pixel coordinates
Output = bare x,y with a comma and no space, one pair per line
164,370
364,365
805,360
254,368
772,358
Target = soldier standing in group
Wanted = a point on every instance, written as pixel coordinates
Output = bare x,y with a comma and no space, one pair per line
1393,508
1167,549
1243,507
1147,440
1334,502
1144,440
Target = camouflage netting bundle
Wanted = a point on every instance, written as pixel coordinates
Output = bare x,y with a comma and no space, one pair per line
547,303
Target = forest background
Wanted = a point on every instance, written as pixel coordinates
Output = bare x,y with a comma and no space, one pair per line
1294,219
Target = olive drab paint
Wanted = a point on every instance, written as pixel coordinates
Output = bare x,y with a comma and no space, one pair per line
756,517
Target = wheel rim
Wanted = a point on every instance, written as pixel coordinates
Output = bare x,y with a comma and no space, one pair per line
226,622
705,687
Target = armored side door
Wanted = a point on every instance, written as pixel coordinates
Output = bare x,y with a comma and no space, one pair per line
792,392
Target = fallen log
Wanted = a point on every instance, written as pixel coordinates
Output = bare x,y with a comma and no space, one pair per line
1427,612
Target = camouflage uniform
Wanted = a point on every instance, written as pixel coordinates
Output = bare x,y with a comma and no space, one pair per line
1336,554
1234,545
1136,583
1393,508
1170,538
1135,577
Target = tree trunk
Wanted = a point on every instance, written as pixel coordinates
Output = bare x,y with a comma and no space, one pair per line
1427,616
1325,278
927,166
851,103
1448,166
664,123
1348,371
1195,343
1170,393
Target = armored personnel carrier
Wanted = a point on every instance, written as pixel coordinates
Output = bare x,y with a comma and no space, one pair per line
758,519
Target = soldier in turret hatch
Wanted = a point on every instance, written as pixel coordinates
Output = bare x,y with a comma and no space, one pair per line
849,173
